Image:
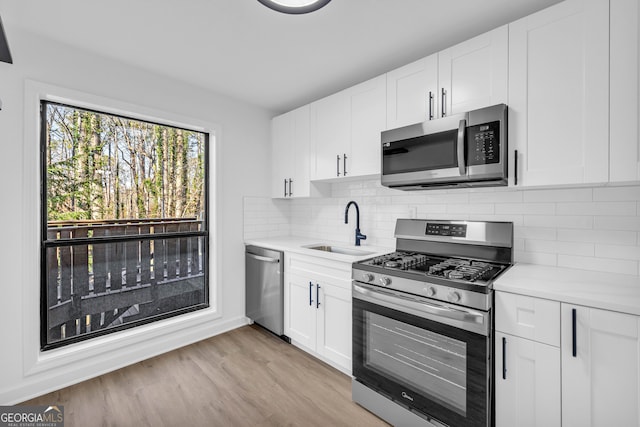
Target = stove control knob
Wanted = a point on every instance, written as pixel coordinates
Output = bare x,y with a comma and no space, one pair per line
367,277
431,291
385,281
454,296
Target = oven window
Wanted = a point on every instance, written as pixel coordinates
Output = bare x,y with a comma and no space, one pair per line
433,364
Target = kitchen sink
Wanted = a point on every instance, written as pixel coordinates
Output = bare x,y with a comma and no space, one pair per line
338,250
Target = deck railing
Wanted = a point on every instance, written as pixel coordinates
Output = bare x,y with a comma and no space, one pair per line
100,274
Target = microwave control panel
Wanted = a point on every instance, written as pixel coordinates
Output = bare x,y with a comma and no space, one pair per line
483,142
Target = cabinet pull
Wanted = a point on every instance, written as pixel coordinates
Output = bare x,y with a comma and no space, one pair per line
290,187
430,105
444,103
344,165
285,187
310,295
338,165
573,325
317,295
504,358
515,167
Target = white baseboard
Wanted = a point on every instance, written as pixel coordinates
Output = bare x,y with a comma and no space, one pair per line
46,382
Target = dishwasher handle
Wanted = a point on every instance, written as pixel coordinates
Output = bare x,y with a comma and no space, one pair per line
263,258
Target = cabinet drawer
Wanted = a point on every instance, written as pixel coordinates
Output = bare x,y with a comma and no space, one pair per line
528,317
318,268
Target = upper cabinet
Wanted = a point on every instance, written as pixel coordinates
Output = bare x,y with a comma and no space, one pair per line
470,75
559,94
345,131
625,84
290,155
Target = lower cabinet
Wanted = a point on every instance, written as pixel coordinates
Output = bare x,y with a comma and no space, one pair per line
318,311
589,377
527,361
600,367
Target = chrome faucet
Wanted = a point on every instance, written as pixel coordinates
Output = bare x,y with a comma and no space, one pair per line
359,236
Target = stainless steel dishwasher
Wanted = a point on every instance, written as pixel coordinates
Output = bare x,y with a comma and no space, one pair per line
264,301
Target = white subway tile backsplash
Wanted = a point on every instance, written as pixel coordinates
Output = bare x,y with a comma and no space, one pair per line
630,223
558,221
608,194
596,236
591,228
559,195
596,208
526,208
618,251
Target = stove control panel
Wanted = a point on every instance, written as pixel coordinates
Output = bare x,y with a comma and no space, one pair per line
438,229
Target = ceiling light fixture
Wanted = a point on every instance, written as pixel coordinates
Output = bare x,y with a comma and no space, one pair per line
295,7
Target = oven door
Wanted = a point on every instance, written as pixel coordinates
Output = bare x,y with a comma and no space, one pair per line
411,357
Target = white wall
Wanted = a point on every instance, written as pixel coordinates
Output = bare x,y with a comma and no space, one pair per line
592,228
240,129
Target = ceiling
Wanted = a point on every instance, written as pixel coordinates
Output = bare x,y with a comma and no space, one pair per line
242,49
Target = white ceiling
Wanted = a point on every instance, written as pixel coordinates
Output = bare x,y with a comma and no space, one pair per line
243,49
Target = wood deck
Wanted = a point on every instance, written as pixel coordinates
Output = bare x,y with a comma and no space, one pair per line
245,377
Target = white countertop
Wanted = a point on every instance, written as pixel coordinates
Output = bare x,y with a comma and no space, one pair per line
617,292
298,245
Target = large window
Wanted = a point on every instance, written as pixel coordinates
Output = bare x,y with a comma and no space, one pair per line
124,222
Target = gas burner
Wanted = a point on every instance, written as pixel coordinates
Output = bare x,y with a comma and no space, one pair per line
453,268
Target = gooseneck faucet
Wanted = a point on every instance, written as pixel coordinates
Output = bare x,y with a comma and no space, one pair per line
359,236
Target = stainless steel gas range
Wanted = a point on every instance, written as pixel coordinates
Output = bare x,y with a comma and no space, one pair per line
422,323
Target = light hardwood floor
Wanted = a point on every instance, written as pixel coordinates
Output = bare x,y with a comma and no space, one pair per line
245,377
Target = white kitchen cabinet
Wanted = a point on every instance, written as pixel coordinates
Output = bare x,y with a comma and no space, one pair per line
527,361
469,75
412,93
601,379
625,85
345,131
559,94
290,156
474,73
527,383
318,308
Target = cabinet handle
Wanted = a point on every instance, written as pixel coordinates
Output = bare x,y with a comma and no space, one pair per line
344,165
504,358
430,105
444,102
338,165
310,295
317,295
290,187
515,167
573,324
285,187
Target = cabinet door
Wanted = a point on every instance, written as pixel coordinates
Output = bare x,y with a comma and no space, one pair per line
409,90
625,84
300,311
300,186
334,324
368,113
559,94
474,73
282,155
330,135
600,384
527,383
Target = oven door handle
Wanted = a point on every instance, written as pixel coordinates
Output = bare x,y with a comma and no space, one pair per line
395,300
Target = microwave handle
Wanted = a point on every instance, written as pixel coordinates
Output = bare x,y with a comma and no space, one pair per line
461,147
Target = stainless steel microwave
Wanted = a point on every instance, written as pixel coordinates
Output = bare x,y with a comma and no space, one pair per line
462,150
